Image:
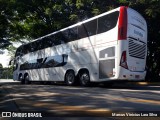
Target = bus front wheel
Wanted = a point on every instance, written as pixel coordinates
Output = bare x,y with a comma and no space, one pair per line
70,78
20,78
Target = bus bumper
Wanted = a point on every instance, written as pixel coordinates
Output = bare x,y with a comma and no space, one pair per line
135,76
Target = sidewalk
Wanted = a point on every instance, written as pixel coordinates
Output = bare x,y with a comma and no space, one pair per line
8,81
3,80
148,83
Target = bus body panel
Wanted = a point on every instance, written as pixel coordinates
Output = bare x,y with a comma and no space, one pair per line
135,46
137,41
101,54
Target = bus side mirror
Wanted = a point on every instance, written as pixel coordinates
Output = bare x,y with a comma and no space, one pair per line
11,62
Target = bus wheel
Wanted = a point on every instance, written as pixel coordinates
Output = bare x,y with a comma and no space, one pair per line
70,78
20,78
26,79
84,78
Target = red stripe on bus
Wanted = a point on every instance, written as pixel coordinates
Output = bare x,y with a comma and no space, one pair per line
122,24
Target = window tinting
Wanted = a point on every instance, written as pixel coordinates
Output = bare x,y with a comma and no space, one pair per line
18,52
32,47
91,27
73,34
58,38
36,45
51,39
70,34
26,49
65,35
107,22
51,61
15,65
82,32
39,44
45,42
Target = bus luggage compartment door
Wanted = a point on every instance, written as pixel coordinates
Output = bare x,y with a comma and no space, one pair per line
107,63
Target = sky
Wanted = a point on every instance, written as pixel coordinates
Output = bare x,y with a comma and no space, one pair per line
4,58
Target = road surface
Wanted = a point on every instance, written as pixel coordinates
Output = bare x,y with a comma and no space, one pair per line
97,101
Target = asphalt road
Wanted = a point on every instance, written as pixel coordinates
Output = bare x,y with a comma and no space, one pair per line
76,101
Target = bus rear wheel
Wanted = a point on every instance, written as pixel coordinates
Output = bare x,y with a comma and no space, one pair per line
84,79
26,79
20,78
70,78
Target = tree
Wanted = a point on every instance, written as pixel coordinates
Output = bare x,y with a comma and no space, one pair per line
1,66
4,23
21,20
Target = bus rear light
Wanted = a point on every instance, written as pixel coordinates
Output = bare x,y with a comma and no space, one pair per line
122,24
123,61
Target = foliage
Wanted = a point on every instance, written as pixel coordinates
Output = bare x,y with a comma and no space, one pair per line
6,73
1,66
11,51
30,19
150,10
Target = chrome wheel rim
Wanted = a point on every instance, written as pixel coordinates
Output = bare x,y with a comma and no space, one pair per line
85,79
70,78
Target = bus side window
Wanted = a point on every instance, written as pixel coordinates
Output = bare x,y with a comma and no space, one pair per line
51,40
107,22
58,38
32,47
20,51
36,46
91,27
17,52
46,42
73,34
15,65
82,33
64,37
39,44
25,49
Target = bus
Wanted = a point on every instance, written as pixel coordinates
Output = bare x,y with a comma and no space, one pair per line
110,46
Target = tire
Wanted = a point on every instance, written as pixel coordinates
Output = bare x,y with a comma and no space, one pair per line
84,79
20,78
70,78
26,79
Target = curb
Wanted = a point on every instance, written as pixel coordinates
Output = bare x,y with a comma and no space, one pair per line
146,83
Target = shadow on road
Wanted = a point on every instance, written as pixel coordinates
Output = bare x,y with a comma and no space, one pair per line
98,100
131,85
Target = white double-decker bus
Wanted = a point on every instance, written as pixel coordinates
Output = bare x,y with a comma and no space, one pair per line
110,46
